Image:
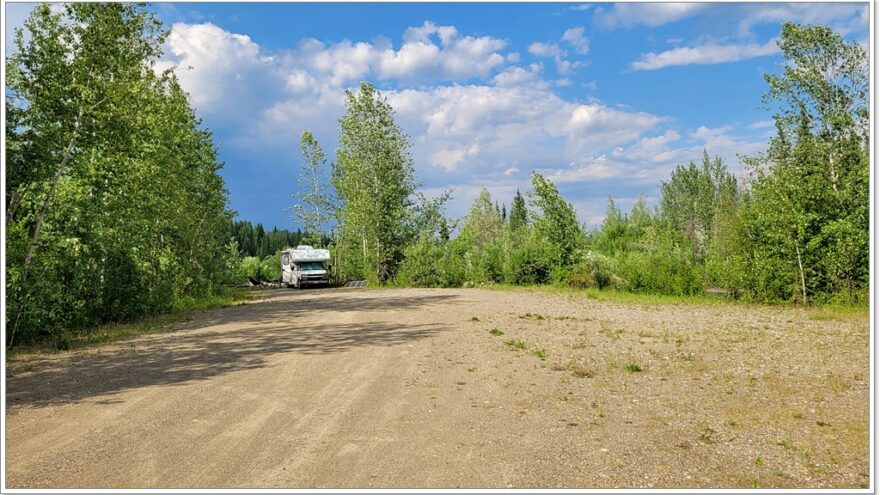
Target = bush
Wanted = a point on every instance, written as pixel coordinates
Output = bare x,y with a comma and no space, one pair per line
270,268
531,262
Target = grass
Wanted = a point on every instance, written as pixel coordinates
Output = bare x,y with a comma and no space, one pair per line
496,332
633,368
113,332
541,353
835,311
516,343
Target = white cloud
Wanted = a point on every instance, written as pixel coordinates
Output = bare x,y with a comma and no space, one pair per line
540,49
575,37
650,14
492,125
845,18
762,124
220,68
704,54
516,76
214,64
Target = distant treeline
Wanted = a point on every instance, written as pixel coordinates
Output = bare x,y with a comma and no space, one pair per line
255,240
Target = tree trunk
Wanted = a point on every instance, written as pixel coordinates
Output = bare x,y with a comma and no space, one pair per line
803,279
45,208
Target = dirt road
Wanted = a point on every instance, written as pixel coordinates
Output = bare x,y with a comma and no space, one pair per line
409,388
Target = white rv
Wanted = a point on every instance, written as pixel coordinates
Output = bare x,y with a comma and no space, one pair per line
305,265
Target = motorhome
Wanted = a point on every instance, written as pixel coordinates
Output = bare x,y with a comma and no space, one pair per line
305,265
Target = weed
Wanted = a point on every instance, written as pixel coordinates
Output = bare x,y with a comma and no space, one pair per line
541,353
582,371
496,332
822,423
785,444
707,435
472,369
516,343
534,316
759,461
474,318
460,383
633,368
797,415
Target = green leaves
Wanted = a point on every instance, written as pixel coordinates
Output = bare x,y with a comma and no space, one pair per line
113,186
374,180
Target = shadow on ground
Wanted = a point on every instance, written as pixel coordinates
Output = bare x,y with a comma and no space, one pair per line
195,351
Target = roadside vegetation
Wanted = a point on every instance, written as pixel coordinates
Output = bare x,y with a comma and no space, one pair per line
793,229
115,210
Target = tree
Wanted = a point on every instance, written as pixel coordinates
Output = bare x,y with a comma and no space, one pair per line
809,210
315,206
374,180
689,200
557,220
113,190
519,215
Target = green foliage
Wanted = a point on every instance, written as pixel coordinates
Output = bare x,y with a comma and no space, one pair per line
808,212
315,204
255,240
114,206
374,181
270,268
556,220
519,214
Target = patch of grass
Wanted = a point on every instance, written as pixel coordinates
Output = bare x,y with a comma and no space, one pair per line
530,316
541,353
114,332
759,461
474,318
496,332
707,435
838,313
785,444
516,343
633,368
472,369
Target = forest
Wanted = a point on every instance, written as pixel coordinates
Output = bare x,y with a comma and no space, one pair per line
115,209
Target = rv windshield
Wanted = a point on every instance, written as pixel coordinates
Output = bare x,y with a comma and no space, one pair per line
310,265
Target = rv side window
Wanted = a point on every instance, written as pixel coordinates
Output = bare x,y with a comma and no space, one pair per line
284,259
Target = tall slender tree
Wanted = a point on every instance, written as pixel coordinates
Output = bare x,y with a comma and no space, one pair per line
374,180
315,203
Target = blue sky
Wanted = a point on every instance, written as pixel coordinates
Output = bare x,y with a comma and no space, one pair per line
605,99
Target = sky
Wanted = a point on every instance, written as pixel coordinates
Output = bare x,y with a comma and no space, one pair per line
605,99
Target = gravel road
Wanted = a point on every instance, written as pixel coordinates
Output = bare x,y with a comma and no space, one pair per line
409,388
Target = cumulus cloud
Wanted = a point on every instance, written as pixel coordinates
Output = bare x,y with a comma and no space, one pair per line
214,64
575,37
704,54
474,117
649,14
540,49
